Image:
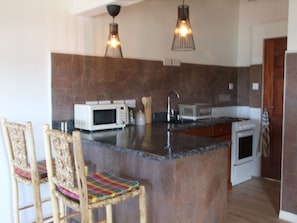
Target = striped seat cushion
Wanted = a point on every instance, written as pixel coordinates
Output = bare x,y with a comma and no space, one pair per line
102,186
41,165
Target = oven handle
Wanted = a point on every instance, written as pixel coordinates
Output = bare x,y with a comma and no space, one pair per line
245,133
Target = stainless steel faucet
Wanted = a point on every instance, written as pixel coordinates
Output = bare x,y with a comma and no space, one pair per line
170,112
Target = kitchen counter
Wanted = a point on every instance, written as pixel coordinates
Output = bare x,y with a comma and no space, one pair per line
185,176
159,141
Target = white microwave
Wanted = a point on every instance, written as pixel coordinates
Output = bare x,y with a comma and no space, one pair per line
93,117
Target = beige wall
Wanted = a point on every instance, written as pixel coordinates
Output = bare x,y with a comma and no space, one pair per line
292,31
146,31
270,16
232,41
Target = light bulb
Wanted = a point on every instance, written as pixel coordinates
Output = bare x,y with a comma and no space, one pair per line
114,41
183,29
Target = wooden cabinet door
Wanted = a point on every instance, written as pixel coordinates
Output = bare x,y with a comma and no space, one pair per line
221,130
206,131
274,53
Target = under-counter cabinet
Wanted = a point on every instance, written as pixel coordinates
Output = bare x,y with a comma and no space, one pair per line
221,131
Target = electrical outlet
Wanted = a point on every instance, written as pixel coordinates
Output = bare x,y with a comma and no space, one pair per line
175,62
255,86
167,62
91,102
131,103
119,101
105,102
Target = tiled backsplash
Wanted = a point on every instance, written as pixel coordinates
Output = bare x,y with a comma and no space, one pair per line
78,78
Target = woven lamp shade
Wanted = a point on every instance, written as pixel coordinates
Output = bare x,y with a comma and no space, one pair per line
183,37
113,47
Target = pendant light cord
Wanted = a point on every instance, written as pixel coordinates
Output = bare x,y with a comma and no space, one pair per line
183,6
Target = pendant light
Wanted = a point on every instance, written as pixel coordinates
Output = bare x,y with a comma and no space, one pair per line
113,47
183,37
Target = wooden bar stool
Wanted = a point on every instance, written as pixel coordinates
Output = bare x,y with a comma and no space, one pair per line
24,168
70,184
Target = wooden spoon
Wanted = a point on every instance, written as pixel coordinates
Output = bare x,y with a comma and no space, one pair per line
146,101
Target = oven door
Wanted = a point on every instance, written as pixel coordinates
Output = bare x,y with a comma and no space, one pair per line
244,147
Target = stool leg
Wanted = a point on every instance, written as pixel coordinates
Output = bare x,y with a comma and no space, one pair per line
90,216
37,203
56,208
15,195
142,205
108,209
62,211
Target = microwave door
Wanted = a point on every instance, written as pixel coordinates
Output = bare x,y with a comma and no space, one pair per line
107,116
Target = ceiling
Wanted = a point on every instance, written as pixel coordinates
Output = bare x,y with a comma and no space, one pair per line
91,8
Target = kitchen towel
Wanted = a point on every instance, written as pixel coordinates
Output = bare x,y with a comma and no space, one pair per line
265,139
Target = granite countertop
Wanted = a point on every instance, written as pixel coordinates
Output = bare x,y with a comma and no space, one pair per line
158,141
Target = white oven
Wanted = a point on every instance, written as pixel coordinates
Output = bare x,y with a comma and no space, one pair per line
245,141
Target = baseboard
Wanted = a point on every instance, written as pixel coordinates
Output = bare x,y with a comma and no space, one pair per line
287,216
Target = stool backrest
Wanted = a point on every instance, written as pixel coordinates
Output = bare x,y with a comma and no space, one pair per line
69,171
20,148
